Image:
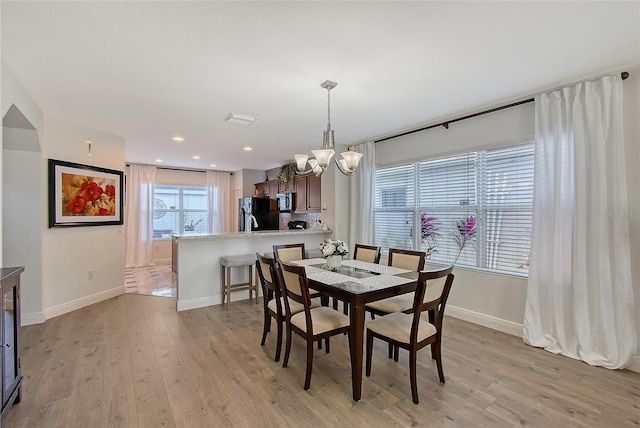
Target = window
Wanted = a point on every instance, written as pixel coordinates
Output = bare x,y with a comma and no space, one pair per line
179,209
489,192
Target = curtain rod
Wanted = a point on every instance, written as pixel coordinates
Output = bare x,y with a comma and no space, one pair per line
184,169
624,75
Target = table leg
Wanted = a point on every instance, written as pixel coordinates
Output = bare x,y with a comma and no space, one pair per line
356,341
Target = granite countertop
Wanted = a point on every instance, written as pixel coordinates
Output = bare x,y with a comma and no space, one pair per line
261,233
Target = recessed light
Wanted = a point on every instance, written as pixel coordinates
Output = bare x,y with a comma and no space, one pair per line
247,149
213,165
195,157
178,139
159,160
240,119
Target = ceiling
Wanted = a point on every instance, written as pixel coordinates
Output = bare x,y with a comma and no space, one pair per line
149,71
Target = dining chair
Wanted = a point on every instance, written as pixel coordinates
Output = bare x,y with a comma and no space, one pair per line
410,331
288,252
273,301
313,323
291,252
405,259
366,253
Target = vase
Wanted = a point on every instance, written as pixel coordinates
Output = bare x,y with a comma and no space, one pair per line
334,262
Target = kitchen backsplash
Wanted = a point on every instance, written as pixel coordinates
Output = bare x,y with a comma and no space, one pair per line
312,220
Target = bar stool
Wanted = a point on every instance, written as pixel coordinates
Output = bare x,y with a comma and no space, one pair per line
229,262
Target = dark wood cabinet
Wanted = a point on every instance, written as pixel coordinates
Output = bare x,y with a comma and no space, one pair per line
10,337
267,189
308,194
289,186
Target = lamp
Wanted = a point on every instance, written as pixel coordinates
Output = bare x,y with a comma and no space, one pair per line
350,160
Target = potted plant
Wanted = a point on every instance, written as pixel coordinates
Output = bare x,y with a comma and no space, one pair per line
287,171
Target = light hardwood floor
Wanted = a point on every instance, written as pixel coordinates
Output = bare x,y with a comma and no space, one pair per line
133,361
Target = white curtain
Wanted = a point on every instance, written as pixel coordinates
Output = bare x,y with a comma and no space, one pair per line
140,182
580,296
219,199
361,190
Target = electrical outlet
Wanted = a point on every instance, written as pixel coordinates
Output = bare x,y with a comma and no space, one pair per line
90,274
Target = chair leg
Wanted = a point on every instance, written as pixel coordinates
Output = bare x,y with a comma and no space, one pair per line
266,327
396,353
287,349
436,347
390,350
369,352
227,287
326,345
279,341
412,375
307,378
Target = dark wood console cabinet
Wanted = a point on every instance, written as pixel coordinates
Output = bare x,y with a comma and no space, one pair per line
10,337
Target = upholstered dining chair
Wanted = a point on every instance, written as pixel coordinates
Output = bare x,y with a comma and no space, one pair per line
313,323
405,259
273,301
289,252
410,331
366,253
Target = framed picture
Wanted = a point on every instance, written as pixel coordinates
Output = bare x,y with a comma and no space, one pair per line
84,195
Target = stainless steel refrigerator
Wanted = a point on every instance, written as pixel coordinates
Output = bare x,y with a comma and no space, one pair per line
255,214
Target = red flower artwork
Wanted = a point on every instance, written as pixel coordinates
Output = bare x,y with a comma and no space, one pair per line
91,191
76,205
110,190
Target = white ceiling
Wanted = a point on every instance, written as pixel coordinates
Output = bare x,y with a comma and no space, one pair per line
148,71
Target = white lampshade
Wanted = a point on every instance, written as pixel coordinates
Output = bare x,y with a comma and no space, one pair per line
315,167
323,156
351,160
301,162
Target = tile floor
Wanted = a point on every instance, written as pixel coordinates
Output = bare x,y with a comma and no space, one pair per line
156,280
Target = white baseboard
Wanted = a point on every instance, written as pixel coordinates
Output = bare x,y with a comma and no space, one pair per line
200,302
30,319
634,365
83,301
508,327
494,323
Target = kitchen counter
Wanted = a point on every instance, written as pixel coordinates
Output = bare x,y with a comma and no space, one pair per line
196,260
243,235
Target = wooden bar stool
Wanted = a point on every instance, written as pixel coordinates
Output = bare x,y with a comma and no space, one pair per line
229,262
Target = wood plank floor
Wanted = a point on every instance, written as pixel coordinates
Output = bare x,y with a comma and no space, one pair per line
133,361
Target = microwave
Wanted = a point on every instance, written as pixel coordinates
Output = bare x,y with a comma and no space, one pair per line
286,201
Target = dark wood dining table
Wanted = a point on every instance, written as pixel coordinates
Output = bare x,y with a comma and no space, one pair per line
357,283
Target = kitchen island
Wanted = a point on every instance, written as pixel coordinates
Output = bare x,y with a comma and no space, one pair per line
196,260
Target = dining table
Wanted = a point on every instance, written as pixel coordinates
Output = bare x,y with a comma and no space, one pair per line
357,283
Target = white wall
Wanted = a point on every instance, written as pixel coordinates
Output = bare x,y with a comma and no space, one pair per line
21,227
495,300
69,253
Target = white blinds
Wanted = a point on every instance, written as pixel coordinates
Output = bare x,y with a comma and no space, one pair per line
492,186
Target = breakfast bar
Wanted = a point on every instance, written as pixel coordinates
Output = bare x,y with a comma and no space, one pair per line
196,259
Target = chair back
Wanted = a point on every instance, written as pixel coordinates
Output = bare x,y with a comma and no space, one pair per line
366,253
406,259
295,286
288,252
266,272
431,294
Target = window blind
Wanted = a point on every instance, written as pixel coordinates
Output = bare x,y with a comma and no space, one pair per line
419,206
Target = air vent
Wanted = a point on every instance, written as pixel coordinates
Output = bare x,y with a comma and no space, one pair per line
240,119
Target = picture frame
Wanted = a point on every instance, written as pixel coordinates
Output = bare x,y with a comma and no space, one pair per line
84,195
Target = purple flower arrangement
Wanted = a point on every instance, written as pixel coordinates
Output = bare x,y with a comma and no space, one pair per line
429,232
464,233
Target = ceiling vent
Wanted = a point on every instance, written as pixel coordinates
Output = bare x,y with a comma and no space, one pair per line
240,119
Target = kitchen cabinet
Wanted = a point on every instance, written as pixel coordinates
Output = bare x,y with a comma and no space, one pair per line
289,186
10,337
267,188
308,193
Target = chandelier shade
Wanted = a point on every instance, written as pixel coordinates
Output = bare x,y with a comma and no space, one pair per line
322,157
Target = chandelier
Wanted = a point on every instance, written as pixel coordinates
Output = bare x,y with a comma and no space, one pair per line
350,159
